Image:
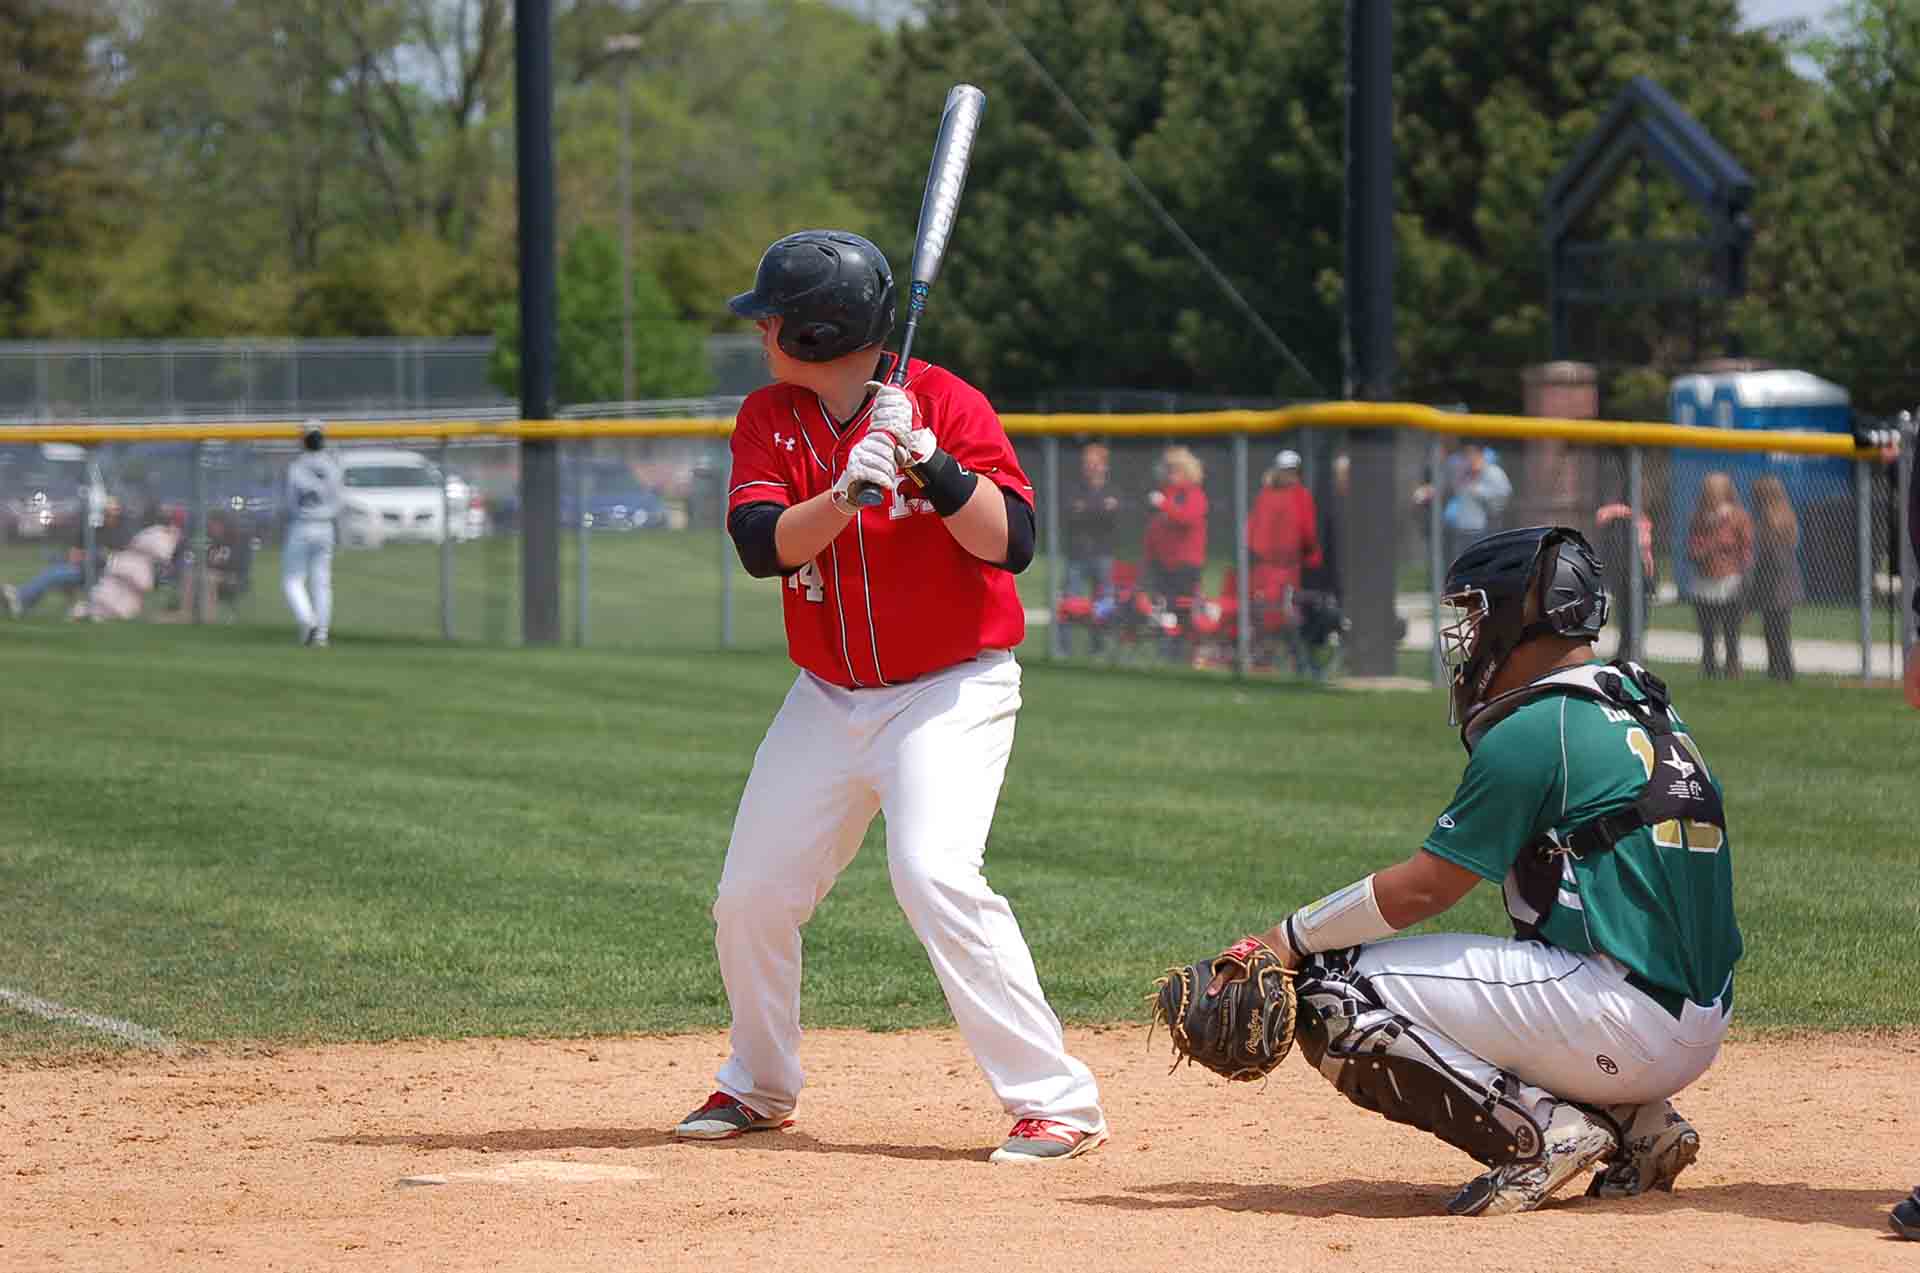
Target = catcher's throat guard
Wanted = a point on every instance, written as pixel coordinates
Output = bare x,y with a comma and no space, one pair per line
1245,1030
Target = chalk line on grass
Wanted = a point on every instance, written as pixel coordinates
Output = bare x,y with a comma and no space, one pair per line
47,1010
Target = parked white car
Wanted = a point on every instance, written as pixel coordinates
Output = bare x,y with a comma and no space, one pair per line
396,495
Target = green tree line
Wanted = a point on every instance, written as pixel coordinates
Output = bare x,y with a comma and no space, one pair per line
346,167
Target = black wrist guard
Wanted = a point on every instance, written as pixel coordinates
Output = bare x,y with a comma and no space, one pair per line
946,485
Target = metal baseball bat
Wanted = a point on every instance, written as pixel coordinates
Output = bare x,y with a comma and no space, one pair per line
939,204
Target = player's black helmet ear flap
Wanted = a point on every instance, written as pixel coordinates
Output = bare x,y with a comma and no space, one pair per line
1510,588
833,292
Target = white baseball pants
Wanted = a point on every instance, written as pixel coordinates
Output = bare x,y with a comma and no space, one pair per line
1565,1025
308,563
930,755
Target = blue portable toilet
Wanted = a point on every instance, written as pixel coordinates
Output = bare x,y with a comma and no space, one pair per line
1819,487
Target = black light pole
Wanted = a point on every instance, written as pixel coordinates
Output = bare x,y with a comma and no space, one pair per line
1367,566
539,460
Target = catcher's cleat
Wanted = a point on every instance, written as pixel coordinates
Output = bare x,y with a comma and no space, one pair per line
1575,1141
723,1118
1657,1144
1905,1218
1037,1140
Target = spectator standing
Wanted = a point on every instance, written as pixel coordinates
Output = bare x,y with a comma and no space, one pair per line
1093,509
1618,536
1176,539
1776,587
1325,576
1720,545
314,493
1477,498
1283,536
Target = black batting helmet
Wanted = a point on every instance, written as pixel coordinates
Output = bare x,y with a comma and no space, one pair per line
1510,588
832,290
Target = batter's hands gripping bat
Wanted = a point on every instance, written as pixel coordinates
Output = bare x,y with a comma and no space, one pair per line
946,178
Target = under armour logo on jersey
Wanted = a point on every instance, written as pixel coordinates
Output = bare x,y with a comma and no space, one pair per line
788,441
1676,761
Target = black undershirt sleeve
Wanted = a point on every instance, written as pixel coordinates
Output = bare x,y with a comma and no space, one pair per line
1020,533
751,526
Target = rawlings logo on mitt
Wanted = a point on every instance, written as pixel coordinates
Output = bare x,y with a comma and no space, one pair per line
1244,1031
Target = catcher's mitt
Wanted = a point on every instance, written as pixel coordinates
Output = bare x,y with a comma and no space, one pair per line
1243,1032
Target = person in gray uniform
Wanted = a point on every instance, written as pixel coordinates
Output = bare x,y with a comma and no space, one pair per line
314,492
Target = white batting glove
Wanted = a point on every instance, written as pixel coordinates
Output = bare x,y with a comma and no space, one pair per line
870,460
897,415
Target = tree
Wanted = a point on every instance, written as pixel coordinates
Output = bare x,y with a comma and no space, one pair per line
55,108
1835,262
1232,113
670,355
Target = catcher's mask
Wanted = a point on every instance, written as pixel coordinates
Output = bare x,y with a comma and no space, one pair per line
1508,589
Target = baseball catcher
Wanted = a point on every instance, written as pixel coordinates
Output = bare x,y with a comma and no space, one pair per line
1588,802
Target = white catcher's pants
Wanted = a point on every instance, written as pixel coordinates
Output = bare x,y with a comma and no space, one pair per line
1565,1025
930,755
308,560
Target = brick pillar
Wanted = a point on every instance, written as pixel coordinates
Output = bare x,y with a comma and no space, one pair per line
1556,483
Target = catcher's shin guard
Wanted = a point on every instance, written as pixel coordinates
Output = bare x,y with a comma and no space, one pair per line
1380,1061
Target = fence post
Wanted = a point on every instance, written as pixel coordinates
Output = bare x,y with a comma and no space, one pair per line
1056,632
446,541
1242,586
1909,565
197,531
1436,565
721,474
1863,560
582,529
1635,643
88,539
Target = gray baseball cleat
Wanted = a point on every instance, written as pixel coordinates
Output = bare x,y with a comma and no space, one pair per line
1657,1144
1575,1140
723,1117
1905,1217
1041,1140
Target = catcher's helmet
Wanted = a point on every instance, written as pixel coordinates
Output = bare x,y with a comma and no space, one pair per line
832,290
1510,588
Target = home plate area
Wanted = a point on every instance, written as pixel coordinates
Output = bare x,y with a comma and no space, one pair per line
507,1154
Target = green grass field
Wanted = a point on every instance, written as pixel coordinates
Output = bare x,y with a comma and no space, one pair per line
222,837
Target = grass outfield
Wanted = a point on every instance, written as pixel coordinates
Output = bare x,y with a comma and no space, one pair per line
222,837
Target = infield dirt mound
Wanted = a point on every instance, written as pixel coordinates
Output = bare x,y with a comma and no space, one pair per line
295,1160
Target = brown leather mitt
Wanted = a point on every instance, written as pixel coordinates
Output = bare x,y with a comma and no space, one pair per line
1244,1031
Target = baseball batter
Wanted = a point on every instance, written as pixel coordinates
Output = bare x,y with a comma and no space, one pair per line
902,619
314,493
1589,804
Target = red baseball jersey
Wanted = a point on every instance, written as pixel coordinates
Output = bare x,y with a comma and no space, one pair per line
894,596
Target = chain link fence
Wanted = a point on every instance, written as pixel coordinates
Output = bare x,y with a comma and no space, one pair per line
245,379
1176,550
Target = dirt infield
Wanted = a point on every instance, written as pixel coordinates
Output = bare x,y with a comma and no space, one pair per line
556,1156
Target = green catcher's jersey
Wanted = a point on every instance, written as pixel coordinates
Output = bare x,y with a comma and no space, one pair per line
1661,902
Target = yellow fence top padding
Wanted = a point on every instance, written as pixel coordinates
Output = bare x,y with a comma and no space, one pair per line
1322,415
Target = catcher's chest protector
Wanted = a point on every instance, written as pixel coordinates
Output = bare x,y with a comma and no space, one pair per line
1379,1061
1539,869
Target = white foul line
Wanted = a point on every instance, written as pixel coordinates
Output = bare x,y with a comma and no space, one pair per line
47,1010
